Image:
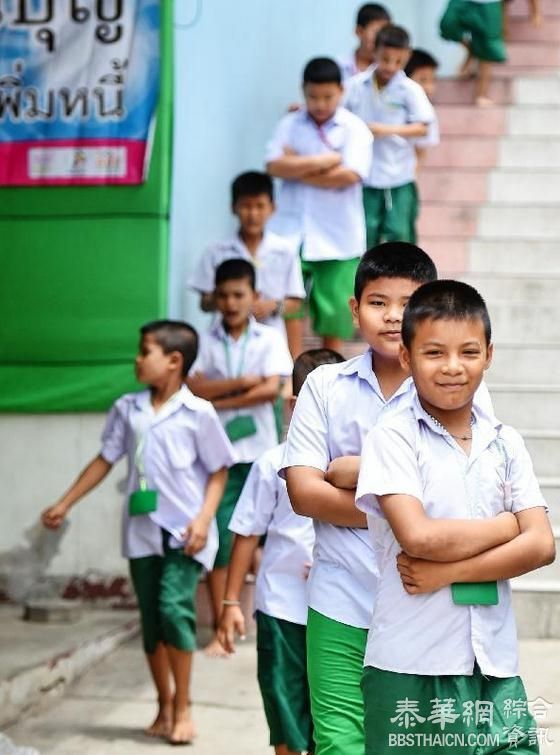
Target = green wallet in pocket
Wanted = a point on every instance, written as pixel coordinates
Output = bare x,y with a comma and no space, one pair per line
241,427
475,593
142,502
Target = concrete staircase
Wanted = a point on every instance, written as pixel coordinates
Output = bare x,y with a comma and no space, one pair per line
491,215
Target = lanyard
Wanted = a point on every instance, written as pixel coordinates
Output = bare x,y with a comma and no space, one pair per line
141,444
227,351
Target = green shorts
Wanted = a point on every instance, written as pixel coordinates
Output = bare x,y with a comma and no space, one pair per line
236,479
391,214
330,284
479,25
282,675
451,715
165,587
335,661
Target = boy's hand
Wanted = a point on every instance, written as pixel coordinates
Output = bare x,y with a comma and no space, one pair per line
263,308
196,535
54,516
510,525
327,160
250,381
343,472
379,129
232,621
419,576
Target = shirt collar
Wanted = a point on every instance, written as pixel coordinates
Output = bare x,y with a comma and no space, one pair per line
362,366
183,397
335,120
217,328
395,79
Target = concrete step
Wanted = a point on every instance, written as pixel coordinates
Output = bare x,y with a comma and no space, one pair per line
522,30
531,90
507,256
510,222
529,121
537,608
535,406
462,120
449,254
550,487
510,186
522,153
520,9
527,287
516,321
469,186
528,56
544,448
439,219
453,91
515,363
463,152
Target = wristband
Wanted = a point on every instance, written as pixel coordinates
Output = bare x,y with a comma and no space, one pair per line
226,602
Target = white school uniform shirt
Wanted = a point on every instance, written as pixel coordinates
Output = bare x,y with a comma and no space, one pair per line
400,102
347,65
264,509
183,443
277,269
409,454
261,350
336,408
330,223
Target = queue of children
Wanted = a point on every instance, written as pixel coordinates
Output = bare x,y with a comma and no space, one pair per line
364,564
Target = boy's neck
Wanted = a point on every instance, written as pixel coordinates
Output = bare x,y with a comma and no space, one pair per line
363,61
237,331
251,240
389,373
457,422
160,394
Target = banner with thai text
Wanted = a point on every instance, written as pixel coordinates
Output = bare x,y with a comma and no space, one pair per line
78,90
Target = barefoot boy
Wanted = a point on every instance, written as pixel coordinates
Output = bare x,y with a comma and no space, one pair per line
445,483
281,595
178,456
238,369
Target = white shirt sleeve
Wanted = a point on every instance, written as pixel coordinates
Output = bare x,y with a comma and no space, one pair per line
212,444
255,507
281,138
202,277
307,441
389,465
113,438
523,487
432,137
277,359
294,278
357,152
203,362
419,107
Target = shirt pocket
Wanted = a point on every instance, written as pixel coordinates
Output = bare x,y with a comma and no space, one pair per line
181,447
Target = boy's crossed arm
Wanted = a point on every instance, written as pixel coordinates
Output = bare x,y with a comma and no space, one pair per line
312,495
532,548
294,167
213,389
406,130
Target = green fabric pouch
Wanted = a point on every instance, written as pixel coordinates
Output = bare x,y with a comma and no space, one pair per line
142,502
241,427
475,593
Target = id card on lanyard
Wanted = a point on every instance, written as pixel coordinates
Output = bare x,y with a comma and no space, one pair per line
243,425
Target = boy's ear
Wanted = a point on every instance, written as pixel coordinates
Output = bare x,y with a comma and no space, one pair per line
404,357
354,306
175,360
489,355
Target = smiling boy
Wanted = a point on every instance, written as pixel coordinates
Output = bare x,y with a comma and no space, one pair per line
444,482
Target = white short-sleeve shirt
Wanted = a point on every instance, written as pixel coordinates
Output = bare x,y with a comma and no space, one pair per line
329,223
264,509
263,351
336,408
348,66
277,269
400,102
183,443
408,453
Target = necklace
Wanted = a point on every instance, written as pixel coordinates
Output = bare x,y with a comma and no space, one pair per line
457,437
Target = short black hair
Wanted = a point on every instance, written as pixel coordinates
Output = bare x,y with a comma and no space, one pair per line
251,184
393,36
174,335
394,259
444,300
235,269
310,360
322,71
372,12
420,59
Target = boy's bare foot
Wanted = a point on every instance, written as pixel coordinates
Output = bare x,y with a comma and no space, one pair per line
183,731
484,102
536,20
214,649
163,724
467,69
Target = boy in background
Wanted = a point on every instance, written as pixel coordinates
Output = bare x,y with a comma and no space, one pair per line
445,483
322,153
371,18
279,281
238,369
178,456
280,591
421,68
397,112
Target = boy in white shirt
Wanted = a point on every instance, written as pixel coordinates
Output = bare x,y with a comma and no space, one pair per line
448,485
370,19
281,594
178,456
421,68
397,112
238,368
279,281
322,153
